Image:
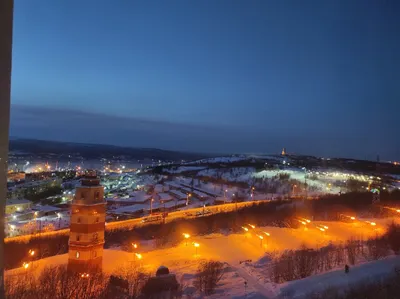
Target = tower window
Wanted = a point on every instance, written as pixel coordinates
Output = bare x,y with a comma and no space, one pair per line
97,219
78,220
97,195
78,238
77,254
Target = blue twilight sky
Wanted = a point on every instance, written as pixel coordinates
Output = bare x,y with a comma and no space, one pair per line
318,77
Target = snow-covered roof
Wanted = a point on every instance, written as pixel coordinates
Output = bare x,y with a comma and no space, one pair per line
164,196
45,208
173,184
157,204
178,194
17,201
130,209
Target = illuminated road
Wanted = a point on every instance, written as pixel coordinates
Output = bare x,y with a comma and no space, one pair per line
130,223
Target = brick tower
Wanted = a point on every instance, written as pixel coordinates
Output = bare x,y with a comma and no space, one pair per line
86,238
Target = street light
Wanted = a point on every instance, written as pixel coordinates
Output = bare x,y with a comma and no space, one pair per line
261,239
151,206
305,182
134,245
139,256
187,236
252,226
25,265
294,186
196,245
245,228
59,220
187,198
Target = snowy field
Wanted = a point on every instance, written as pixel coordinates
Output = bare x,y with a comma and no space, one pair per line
232,249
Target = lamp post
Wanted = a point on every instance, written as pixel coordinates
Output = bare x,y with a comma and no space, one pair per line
305,182
187,236
261,240
196,245
294,186
187,198
226,190
236,206
59,220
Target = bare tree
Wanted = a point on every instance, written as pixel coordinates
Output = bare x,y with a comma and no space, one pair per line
57,283
351,251
134,275
393,237
208,275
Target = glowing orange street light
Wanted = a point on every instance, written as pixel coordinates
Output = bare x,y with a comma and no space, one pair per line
268,234
187,236
25,265
84,275
398,211
134,245
261,239
252,226
139,256
324,226
196,245
31,252
353,218
245,228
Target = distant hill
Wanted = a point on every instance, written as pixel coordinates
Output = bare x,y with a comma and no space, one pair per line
94,151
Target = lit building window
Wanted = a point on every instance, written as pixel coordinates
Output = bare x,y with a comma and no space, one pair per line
77,255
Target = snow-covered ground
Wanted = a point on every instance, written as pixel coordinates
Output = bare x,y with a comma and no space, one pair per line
339,279
232,249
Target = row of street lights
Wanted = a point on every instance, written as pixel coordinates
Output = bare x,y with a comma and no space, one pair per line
258,235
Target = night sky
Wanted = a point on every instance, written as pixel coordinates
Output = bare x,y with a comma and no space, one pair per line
316,77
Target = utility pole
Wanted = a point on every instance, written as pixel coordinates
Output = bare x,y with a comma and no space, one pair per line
6,24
